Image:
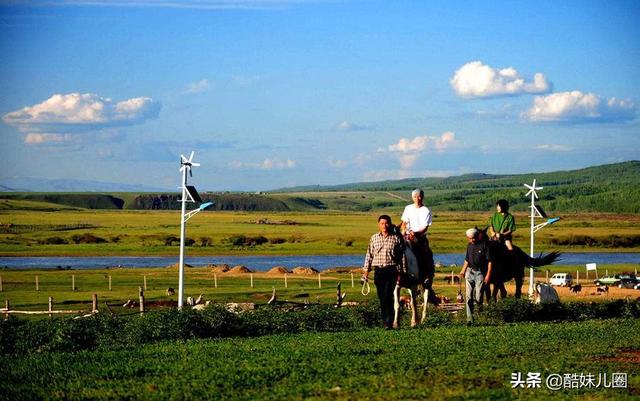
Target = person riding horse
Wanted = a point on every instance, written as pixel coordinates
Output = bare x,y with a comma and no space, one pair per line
416,220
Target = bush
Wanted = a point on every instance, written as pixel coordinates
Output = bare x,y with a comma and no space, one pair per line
87,238
53,241
243,240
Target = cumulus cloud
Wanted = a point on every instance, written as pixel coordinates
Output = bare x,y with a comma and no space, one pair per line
410,149
197,87
266,164
478,80
578,107
422,143
75,112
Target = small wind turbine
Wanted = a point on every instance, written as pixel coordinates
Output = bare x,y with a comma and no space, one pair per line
189,194
536,211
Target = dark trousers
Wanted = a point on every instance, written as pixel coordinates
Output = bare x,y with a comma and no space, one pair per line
385,281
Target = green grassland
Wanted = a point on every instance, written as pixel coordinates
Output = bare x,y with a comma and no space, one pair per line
63,231
445,363
19,286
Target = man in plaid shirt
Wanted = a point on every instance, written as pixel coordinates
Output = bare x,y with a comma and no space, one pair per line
386,255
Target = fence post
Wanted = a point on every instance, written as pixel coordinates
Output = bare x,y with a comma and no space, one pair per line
606,272
286,285
547,276
109,282
37,284
0,283
73,282
452,282
215,280
251,274
141,295
94,303
352,282
144,281
577,277
319,281
50,305
6,306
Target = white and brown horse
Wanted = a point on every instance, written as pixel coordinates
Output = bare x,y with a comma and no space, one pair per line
417,278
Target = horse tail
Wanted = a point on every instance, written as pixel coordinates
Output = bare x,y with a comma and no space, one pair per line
544,260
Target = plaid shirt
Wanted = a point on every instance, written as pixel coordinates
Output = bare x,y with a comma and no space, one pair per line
385,251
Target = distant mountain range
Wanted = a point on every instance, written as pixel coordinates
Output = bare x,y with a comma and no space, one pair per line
29,184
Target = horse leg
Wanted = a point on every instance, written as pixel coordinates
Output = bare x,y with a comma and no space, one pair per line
414,313
425,296
503,291
396,306
519,281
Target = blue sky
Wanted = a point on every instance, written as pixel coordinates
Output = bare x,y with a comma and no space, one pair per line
276,93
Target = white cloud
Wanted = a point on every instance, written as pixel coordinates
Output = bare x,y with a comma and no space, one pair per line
410,149
77,112
554,148
578,107
476,79
347,126
41,139
422,143
197,87
266,164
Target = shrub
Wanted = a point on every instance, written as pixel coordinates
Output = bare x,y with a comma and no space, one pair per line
87,238
243,240
53,241
277,240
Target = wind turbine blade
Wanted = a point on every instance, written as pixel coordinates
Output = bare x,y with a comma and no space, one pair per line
195,164
191,156
183,159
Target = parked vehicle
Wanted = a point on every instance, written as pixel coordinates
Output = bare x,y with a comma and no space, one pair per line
619,280
561,279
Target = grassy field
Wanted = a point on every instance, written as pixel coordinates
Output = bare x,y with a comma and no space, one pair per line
19,286
446,363
81,232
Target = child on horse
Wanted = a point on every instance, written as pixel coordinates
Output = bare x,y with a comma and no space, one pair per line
502,224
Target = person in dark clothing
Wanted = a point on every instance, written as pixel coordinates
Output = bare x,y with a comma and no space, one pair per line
476,270
385,255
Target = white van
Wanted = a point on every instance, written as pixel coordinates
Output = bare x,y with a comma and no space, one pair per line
561,279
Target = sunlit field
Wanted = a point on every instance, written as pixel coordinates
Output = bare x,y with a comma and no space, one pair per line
81,232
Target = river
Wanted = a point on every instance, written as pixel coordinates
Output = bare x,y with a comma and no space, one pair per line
264,263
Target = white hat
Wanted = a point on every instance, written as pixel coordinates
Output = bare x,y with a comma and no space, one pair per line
471,233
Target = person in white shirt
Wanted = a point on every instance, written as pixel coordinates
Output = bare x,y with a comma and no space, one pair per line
416,220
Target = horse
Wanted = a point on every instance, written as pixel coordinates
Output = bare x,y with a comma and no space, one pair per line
417,278
510,265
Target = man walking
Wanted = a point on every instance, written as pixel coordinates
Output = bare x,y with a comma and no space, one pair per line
476,270
385,255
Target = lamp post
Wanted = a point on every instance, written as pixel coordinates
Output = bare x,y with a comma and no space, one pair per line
536,211
189,194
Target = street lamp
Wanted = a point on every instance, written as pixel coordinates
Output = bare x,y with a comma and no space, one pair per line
189,194
536,212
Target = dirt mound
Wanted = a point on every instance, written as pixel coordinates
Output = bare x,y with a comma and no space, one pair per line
222,268
344,269
278,270
304,270
239,269
177,265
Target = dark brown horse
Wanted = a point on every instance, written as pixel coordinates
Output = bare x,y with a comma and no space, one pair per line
510,265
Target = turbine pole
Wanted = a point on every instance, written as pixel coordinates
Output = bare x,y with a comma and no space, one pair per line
182,238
